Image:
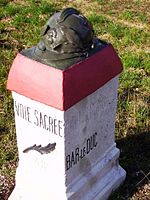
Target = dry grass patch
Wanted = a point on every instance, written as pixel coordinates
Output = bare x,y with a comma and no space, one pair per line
125,22
142,193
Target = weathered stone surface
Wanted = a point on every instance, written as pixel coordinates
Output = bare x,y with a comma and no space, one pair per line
84,163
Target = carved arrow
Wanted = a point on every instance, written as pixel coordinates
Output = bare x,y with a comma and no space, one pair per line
43,150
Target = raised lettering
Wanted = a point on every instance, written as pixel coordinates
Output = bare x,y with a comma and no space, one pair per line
72,159
76,155
45,118
35,114
68,162
59,127
28,114
94,139
88,146
80,153
51,124
16,108
55,126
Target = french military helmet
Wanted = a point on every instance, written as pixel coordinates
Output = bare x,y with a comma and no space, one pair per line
67,32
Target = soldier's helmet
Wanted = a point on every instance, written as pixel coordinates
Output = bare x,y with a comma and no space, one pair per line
67,32
66,39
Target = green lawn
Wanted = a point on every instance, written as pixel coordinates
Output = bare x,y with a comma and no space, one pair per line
123,23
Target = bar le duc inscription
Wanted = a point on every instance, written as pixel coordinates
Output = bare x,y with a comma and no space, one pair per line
39,119
79,153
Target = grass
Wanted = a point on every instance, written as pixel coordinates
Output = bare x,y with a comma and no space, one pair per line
125,24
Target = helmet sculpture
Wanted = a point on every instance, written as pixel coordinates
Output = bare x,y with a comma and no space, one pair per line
67,38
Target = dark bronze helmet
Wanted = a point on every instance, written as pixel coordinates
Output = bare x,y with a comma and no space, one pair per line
66,39
67,32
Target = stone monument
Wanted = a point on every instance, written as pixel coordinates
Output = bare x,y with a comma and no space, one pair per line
65,93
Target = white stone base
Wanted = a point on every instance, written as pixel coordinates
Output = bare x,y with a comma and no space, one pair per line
97,184
84,164
101,181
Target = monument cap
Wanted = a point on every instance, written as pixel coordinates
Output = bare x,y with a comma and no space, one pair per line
63,88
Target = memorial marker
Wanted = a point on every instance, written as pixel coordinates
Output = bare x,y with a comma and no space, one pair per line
65,93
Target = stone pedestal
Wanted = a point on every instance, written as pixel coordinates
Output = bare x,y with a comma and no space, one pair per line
65,122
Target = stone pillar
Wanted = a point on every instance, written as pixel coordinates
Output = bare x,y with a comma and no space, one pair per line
65,123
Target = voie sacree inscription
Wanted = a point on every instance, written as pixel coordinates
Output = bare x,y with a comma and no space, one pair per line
39,119
55,126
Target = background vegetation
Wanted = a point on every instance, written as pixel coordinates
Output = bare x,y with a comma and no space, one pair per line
123,23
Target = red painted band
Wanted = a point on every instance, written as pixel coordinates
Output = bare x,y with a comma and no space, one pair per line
62,89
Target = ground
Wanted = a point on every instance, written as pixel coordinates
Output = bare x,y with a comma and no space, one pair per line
123,23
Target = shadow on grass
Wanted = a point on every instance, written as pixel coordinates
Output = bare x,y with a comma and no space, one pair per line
135,159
